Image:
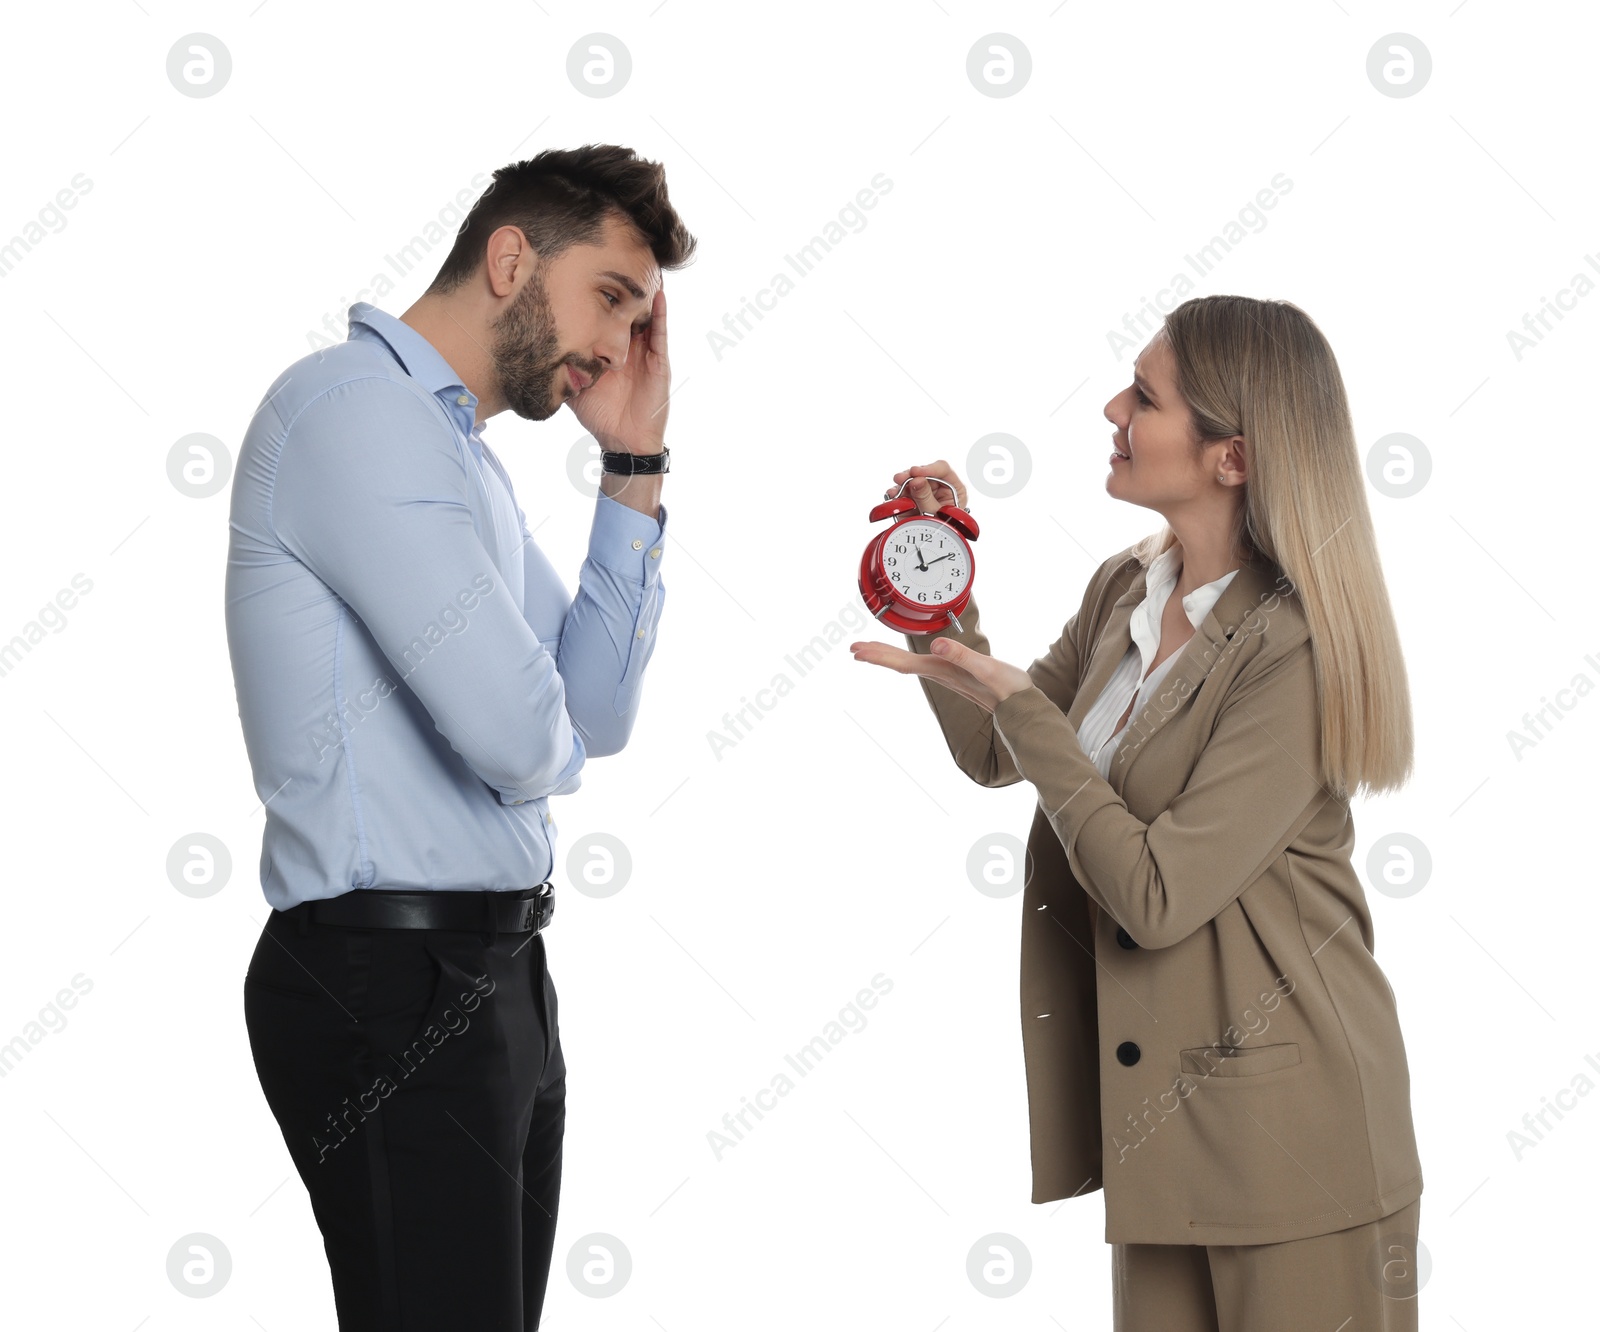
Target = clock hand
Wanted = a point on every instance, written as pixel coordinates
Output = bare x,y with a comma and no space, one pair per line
948,555
920,565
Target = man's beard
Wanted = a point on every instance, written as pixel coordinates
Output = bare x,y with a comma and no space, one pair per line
527,357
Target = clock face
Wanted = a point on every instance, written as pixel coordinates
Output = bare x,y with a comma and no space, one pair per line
926,562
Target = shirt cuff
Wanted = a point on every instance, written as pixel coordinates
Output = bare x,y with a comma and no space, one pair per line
627,542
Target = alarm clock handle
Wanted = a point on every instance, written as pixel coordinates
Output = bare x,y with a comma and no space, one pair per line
938,480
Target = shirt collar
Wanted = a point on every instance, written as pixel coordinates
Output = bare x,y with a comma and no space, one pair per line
1160,580
418,358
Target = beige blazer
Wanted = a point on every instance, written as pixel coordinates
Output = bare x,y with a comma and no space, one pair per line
1205,1032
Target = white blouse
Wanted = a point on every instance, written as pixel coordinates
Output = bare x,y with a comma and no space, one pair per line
1129,679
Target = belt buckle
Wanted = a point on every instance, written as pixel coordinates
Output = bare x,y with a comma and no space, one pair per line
539,909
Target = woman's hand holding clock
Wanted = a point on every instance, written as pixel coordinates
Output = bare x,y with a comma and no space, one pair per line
976,676
927,495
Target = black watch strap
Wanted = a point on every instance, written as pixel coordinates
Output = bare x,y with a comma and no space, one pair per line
636,464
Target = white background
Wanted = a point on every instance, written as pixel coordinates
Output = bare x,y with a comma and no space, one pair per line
770,884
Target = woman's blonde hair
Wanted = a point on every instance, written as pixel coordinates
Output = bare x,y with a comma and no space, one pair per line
1263,370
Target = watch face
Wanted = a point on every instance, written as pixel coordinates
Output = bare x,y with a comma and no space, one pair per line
926,562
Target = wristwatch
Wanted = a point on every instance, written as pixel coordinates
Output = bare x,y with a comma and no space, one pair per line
636,464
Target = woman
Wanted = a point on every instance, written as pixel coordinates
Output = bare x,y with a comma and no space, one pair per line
1205,1031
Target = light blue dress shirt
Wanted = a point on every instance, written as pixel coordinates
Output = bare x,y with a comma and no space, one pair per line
413,678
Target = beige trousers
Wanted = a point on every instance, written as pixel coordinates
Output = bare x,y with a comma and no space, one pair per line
1363,1279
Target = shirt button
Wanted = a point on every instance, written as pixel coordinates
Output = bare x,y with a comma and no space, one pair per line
656,553
637,544
547,818
640,634
519,802
463,400
1128,1054
1124,939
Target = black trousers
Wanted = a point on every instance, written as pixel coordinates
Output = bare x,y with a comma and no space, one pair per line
418,1080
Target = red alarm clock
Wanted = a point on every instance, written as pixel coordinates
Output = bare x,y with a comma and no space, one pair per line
916,574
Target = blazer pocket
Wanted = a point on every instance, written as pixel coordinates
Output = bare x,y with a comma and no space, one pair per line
1240,1061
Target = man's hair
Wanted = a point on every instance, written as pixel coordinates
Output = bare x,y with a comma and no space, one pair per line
562,198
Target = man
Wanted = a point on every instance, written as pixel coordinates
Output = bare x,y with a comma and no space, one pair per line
414,683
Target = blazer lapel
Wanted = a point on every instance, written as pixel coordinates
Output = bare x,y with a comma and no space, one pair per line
1107,651
1249,588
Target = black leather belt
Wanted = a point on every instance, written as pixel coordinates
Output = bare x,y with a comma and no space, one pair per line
516,911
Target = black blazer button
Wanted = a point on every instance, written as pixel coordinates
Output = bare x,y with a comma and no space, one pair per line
1124,938
1128,1053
